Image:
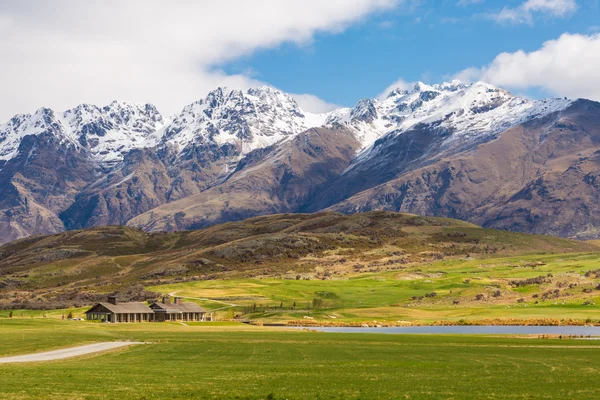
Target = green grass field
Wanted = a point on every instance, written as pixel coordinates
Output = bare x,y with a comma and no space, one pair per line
245,362
568,291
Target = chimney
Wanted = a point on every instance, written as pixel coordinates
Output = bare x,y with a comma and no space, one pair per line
166,300
178,300
113,300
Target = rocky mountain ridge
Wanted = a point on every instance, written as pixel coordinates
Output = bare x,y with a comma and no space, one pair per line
236,154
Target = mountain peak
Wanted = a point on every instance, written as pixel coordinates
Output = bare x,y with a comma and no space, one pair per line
248,119
422,87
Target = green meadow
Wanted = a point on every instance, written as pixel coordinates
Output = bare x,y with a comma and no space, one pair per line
234,361
563,286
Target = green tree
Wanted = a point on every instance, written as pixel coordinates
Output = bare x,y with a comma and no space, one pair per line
70,314
10,314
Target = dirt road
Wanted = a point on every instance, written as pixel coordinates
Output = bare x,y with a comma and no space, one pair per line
67,353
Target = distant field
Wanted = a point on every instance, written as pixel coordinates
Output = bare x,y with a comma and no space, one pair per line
561,287
244,362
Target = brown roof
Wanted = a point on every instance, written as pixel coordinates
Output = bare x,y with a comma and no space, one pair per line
176,308
124,308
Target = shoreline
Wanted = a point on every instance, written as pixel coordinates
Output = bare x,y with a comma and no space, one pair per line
406,324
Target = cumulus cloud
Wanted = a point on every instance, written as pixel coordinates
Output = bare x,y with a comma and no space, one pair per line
524,13
313,104
63,52
567,66
399,84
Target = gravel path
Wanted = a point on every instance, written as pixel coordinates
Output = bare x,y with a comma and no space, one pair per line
67,353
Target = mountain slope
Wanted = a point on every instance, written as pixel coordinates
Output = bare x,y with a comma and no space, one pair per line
49,157
538,177
275,179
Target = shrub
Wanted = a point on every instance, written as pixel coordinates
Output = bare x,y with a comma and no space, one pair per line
532,281
480,297
593,274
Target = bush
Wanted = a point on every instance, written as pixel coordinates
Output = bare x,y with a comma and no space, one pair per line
532,281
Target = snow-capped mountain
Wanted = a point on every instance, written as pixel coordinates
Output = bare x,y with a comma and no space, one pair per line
199,163
106,133
250,119
260,117
464,111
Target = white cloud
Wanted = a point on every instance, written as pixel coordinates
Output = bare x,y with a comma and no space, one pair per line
313,104
64,52
399,84
567,66
524,13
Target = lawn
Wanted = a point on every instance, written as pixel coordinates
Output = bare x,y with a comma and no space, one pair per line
228,362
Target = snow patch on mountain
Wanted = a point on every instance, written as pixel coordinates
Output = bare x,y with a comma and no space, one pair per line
465,109
250,119
106,133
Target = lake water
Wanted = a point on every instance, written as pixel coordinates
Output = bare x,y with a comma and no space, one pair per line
474,330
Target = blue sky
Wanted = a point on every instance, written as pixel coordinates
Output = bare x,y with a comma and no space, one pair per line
429,41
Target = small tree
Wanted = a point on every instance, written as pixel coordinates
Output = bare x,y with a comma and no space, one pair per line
70,314
294,306
10,314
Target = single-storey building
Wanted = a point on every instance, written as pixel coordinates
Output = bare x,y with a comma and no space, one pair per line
177,311
113,311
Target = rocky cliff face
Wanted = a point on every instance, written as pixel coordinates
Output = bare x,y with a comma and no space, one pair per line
469,151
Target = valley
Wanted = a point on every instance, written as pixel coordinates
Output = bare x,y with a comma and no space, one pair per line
324,268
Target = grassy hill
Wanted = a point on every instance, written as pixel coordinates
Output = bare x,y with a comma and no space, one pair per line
78,267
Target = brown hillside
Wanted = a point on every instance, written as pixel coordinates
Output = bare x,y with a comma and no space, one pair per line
71,268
